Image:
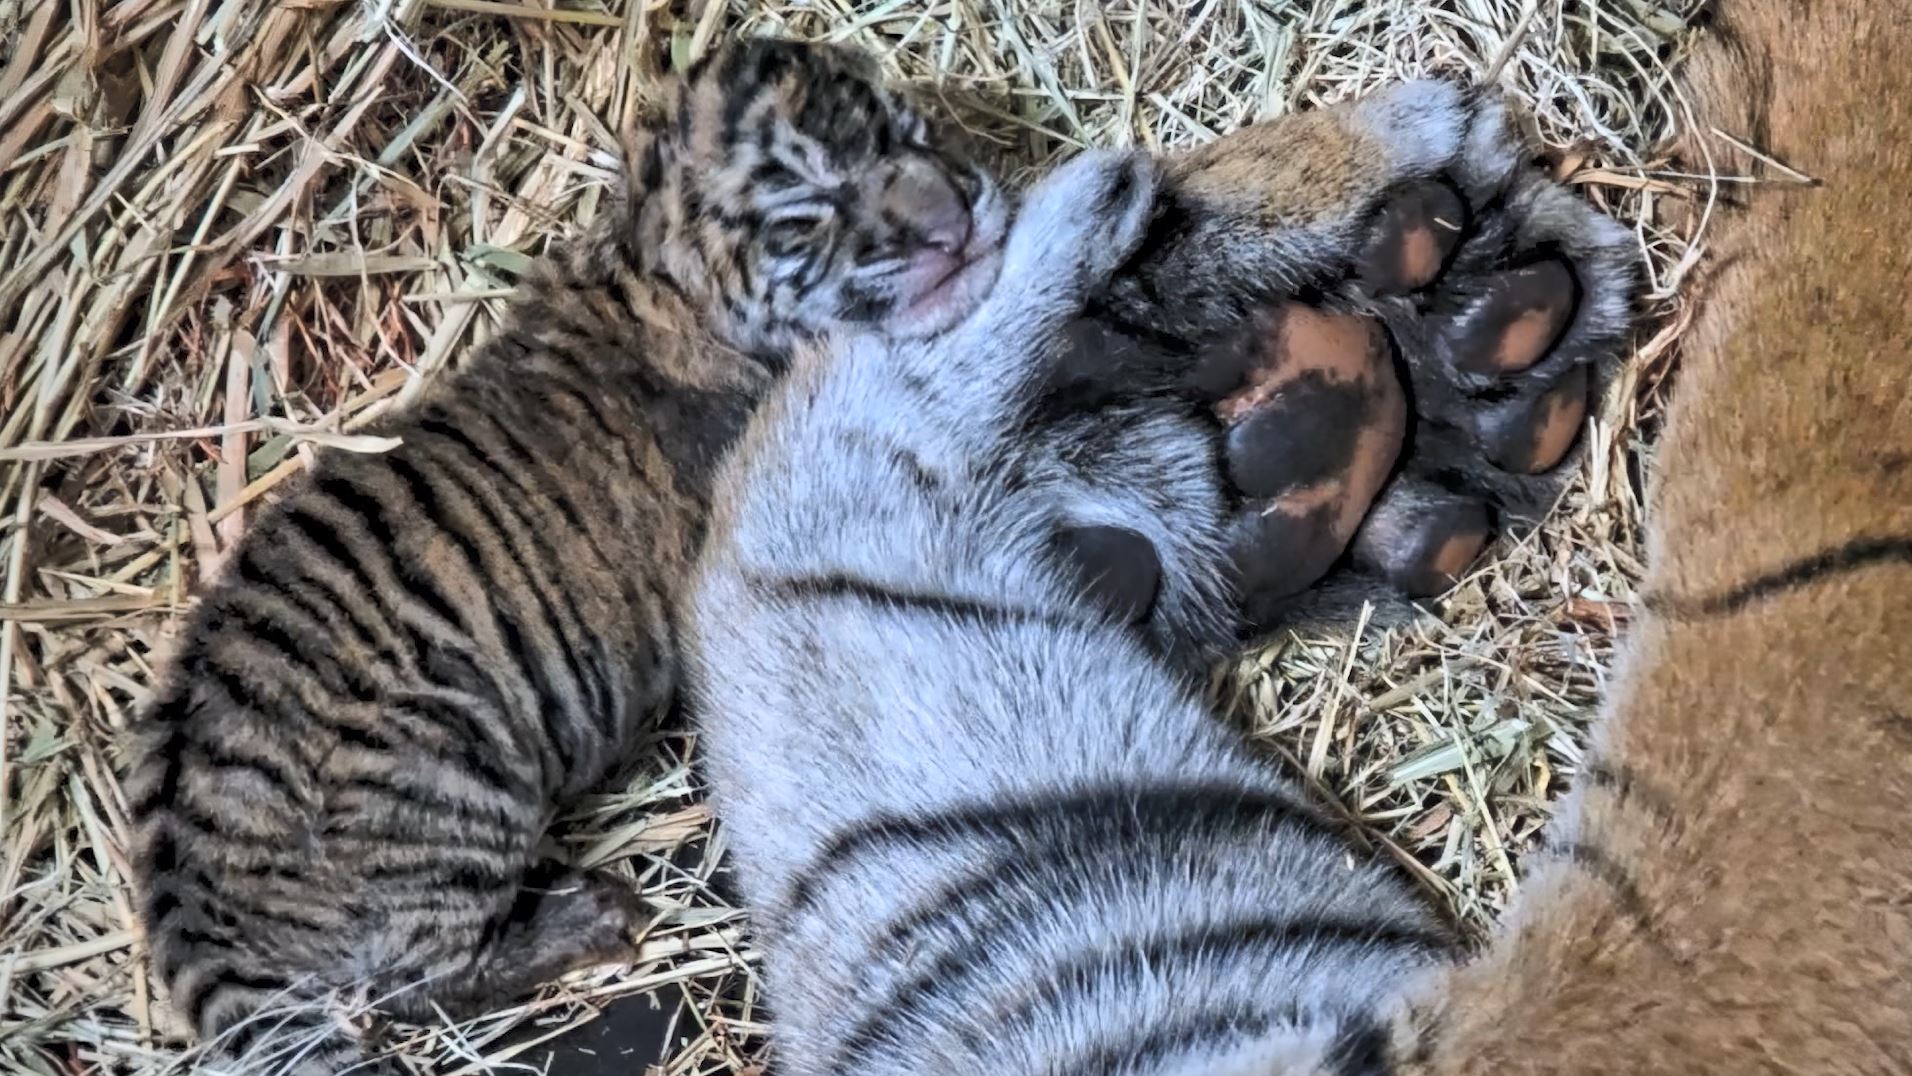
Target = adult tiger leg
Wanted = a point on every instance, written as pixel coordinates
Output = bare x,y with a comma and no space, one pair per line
1730,888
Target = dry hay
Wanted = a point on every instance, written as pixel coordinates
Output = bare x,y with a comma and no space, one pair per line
232,229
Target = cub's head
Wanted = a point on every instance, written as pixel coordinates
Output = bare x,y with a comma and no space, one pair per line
788,192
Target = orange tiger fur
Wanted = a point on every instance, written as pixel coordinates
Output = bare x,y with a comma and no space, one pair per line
1731,891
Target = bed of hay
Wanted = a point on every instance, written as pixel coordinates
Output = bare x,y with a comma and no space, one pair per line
233,230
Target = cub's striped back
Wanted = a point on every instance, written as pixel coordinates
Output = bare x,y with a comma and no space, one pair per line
418,655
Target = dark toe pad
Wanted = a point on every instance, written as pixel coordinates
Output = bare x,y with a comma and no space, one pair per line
1421,543
1315,418
1528,436
1516,320
1413,235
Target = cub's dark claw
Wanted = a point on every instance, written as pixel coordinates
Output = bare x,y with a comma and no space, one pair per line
1414,234
1117,569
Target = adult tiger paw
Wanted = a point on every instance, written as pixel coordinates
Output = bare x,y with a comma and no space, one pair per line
1432,389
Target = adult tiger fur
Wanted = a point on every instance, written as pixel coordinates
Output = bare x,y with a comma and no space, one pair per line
1729,890
983,826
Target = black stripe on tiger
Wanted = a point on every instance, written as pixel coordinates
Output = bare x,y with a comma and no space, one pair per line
330,615
1627,897
227,907
549,703
1130,958
1895,724
1852,556
254,611
203,822
1148,1049
524,462
1627,787
1076,853
374,518
557,492
1144,808
901,455
340,558
482,823
536,561
845,587
1080,879
1216,942
479,751
172,712
1362,1049
226,978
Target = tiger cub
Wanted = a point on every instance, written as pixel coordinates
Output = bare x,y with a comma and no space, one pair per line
980,815
369,720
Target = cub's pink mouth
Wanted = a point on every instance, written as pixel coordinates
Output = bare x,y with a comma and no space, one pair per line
942,288
950,297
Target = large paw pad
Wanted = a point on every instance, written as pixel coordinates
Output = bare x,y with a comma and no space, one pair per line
1495,335
1313,419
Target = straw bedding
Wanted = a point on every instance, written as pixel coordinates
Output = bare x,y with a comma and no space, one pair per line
233,230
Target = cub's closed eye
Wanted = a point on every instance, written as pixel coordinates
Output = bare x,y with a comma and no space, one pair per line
786,237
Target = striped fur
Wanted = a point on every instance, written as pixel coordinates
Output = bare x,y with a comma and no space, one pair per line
984,829
416,656
986,833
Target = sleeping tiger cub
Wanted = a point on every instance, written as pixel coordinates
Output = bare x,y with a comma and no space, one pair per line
986,831
983,823
417,656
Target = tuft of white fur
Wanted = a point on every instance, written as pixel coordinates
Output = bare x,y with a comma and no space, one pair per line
1421,124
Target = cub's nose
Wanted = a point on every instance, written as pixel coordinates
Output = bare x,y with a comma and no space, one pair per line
923,204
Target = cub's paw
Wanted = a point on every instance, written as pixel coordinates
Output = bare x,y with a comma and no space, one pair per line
567,919
1504,299
1082,221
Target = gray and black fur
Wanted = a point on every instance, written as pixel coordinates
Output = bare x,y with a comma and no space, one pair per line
983,828
984,823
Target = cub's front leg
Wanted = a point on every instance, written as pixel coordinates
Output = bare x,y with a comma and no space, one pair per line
1505,299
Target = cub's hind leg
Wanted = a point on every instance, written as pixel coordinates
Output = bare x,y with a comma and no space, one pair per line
563,921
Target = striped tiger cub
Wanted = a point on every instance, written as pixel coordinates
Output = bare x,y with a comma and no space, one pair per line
416,656
982,819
